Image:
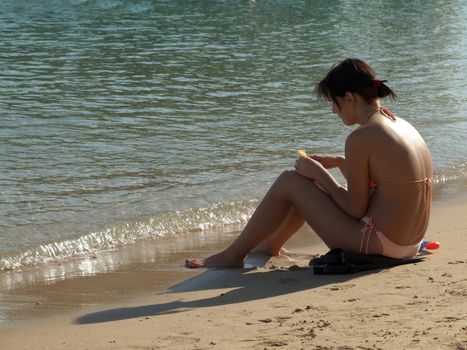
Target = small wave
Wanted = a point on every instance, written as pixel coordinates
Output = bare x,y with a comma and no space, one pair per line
168,225
451,174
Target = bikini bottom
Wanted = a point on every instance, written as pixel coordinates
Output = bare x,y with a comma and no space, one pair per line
390,248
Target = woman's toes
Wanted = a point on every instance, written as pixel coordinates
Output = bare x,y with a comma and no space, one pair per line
193,263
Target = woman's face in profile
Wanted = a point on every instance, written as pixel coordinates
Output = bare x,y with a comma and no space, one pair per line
339,109
343,108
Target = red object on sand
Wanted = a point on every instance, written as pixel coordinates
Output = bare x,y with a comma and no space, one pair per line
432,245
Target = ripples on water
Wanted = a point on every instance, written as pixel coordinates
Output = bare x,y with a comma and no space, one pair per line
116,113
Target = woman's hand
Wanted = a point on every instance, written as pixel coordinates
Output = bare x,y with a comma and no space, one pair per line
308,167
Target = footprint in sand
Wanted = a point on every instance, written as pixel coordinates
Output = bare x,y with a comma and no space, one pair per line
450,319
342,287
459,293
455,262
274,343
352,300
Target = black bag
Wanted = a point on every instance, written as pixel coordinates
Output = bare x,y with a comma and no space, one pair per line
338,261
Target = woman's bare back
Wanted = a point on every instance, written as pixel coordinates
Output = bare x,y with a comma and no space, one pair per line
399,162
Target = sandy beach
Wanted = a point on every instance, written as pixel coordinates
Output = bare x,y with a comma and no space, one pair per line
282,305
137,134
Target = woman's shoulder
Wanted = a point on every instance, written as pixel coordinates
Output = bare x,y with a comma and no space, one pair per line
370,137
365,133
385,129
360,139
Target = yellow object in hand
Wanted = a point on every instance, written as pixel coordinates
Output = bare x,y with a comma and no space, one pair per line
302,153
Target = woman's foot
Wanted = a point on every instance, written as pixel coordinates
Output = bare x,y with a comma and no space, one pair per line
217,260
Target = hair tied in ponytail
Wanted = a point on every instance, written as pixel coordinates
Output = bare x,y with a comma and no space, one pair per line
378,83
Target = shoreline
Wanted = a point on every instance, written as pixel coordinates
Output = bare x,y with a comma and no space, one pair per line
132,271
128,290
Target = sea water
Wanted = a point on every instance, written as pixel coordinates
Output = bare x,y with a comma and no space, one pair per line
130,121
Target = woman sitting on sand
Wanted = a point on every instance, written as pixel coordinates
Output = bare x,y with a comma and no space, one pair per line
385,207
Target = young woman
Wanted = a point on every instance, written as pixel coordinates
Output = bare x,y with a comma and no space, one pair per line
386,205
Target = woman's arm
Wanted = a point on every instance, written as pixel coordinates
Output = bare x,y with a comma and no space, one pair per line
329,162
314,170
353,200
357,155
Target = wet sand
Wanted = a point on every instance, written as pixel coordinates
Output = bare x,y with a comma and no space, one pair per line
127,273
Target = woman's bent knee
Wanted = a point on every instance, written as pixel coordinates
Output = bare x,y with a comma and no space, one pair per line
290,180
287,177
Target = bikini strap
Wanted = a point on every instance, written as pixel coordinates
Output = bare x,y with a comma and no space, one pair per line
387,113
366,231
428,197
426,180
384,111
370,226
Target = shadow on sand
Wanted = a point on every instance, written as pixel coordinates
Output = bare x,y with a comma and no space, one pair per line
245,285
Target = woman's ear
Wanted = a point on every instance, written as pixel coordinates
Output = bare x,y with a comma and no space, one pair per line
351,98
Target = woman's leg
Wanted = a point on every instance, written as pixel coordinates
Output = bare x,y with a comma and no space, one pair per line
336,228
267,218
273,245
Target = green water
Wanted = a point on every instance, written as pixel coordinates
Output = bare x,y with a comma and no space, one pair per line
129,120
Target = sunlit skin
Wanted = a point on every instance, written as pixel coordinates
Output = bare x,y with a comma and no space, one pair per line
382,149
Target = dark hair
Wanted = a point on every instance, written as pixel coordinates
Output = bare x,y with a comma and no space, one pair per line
352,75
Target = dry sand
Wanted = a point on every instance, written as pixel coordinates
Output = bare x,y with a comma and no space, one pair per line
420,306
